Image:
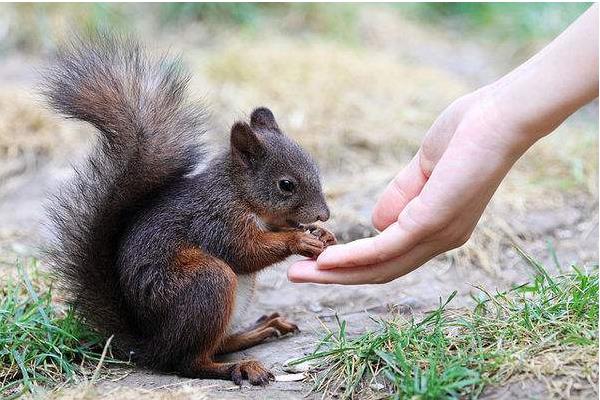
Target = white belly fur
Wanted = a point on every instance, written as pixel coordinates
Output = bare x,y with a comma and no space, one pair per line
243,297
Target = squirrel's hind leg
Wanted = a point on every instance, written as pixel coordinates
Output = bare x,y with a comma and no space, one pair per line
251,370
207,299
266,327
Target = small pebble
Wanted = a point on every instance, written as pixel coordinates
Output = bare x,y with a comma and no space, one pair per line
315,307
290,377
297,368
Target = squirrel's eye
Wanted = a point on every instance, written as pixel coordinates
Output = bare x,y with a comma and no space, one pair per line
286,186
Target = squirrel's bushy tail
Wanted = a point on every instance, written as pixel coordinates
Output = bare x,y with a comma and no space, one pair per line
148,136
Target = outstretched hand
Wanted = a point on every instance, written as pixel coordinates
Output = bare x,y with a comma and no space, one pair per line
432,205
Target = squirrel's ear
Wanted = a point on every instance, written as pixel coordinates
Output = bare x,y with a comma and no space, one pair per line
263,118
245,146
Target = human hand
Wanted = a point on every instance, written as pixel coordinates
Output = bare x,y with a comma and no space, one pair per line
435,202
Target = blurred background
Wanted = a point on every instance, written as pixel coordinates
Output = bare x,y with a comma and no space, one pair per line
358,85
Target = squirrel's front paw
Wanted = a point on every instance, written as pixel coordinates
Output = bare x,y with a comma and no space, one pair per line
325,236
308,245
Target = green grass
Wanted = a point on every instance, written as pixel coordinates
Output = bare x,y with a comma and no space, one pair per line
41,345
229,13
505,21
35,27
516,21
537,328
548,326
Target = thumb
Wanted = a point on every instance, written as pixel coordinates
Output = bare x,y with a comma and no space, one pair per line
410,181
399,192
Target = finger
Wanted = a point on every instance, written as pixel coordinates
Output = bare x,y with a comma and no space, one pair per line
439,135
307,271
392,242
399,192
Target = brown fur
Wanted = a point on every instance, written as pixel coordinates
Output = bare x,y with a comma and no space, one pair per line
259,248
251,370
265,328
189,258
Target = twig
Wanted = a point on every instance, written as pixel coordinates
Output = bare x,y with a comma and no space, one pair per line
97,370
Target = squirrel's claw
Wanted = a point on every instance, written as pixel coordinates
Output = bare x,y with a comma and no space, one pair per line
265,318
251,370
325,236
276,321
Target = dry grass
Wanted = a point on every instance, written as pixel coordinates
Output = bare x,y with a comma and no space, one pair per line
27,134
354,109
30,135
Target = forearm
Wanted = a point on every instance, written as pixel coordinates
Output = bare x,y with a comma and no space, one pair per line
539,95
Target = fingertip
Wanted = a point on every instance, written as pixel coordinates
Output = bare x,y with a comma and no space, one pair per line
297,271
398,193
378,219
387,208
328,259
293,278
353,254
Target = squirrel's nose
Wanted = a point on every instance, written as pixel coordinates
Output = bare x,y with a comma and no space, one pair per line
323,215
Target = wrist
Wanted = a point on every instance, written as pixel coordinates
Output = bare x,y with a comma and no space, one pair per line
497,123
527,118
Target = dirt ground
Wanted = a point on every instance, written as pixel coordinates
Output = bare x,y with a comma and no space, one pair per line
361,111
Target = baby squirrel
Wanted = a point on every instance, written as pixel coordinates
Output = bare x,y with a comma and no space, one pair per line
153,252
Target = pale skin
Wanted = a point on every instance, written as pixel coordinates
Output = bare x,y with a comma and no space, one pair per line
435,202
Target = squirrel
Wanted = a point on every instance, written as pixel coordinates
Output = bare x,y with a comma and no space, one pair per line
154,252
